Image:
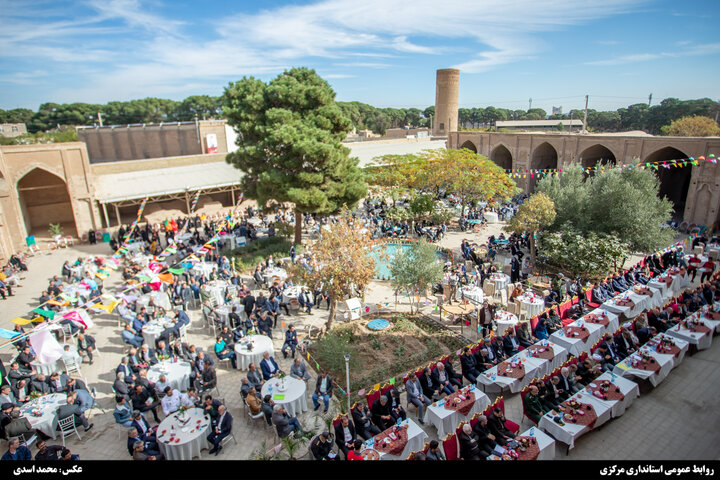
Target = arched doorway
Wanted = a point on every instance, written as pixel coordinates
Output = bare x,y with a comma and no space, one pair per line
502,157
44,199
597,154
470,146
674,181
544,157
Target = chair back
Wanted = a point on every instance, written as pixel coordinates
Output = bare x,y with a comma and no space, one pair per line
450,447
504,297
67,425
372,396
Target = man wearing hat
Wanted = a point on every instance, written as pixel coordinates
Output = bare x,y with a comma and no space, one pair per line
321,447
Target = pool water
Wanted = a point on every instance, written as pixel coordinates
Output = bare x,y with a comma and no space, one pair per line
384,254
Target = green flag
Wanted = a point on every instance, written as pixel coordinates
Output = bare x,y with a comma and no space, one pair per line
49,314
392,381
176,271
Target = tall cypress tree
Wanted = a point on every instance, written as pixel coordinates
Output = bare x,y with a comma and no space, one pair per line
289,137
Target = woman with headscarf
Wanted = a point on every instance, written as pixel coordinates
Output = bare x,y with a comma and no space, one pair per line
541,330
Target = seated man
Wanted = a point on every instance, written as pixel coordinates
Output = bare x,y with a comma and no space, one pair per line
345,435
299,370
362,421
510,343
524,336
469,445
171,401
254,402
122,412
396,409
18,426
222,427
284,423
441,378
16,451
381,413
291,341
416,396
321,447
143,401
264,324
269,367
223,352
534,408
150,446
72,409
486,439
469,365
323,389
304,301
496,423
429,388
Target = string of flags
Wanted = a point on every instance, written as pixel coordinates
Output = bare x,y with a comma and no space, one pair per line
667,164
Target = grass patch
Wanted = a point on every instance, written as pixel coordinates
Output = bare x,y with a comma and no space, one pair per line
248,257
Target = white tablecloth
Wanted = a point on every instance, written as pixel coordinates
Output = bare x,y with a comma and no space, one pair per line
294,401
176,374
204,268
292,293
490,381
630,389
576,346
666,362
570,431
545,443
273,272
500,280
416,441
700,340
681,344
261,344
446,421
472,292
152,330
665,292
504,320
217,290
48,404
58,365
532,304
656,300
491,217
191,434
642,302
160,299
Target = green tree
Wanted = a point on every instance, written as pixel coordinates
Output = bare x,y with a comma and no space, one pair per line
414,269
589,256
692,127
619,202
204,106
534,215
290,133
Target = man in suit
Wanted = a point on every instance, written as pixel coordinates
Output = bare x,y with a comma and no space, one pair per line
269,367
345,435
208,380
71,408
248,302
626,345
566,384
16,374
598,295
533,406
510,343
221,429
299,370
151,447
143,401
254,377
362,421
487,314
304,300
18,426
441,378
86,344
496,422
283,422
381,413
430,388
56,383
553,393
7,396
434,452
468,363
415,395
20,390
25,359
486,439
291,341
469,445
211,406
323,389
264,324
39,384
147,355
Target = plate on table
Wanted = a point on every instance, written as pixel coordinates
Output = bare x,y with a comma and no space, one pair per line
370,454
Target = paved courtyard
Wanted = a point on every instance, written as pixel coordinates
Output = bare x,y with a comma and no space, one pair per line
676,420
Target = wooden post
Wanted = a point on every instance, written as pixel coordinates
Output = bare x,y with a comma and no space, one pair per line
117,214
107,221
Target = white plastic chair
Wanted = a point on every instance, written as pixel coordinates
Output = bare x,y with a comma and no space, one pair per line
28,443
67,427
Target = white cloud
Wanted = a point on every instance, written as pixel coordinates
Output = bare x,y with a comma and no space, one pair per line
639,57
692,51
338,75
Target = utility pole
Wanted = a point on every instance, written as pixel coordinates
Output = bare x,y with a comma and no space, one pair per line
99,115
530,104
650,100
587,98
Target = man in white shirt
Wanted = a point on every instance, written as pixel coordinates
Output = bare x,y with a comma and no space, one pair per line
190,399
161,383
171,401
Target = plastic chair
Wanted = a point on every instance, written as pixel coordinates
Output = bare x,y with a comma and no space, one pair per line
28,443
67,427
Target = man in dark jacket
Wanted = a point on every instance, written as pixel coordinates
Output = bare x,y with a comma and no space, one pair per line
486,439
496,422
321,447
381,414
345,435
469,365
362,421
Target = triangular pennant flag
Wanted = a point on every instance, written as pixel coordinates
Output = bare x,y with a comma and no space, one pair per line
59,304
38,319
21,321
49,314
308,357
317,366
392,381
166,277
376,386
4,333
176,271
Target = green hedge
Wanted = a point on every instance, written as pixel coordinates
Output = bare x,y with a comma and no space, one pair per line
248,257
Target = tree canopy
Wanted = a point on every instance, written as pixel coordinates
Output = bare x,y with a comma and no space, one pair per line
619,202
415,268
534,215
692,127
289,138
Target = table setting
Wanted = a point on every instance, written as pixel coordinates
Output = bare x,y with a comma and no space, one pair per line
177,373
396,442
182,435
274,272
152,330
628,303
250,349
498,378
288,392
504,321
577,415
447,413
531,303
41,412
646,364
500,280
472,292
664,344
579,336
532,444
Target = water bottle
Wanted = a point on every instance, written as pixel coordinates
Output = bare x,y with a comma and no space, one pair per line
532,431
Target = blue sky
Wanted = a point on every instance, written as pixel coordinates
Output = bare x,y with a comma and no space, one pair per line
382,52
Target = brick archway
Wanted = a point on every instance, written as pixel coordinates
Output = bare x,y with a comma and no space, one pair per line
44,199
543,157
674,182
470,146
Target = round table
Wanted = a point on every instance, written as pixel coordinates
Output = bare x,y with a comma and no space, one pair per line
217,290
190,435
160,299
204,268
176,374
504,320
472,292
292,293
152,330
293,398
500,280
58,365
47,405
491,217
272,272
261,344
532,304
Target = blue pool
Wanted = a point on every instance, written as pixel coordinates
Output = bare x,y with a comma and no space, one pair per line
384,254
